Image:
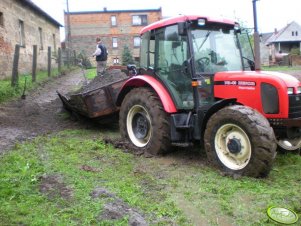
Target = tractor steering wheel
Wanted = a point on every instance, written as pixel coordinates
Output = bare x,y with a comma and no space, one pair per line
202,62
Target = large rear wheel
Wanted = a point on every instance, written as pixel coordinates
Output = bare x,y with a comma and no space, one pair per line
240,141
144,122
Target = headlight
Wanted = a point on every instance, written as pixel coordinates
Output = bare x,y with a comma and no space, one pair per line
299,90
290,90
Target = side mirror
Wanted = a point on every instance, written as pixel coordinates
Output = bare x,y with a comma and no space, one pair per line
182,28
132,69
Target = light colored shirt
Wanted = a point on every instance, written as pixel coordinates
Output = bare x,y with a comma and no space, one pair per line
97,51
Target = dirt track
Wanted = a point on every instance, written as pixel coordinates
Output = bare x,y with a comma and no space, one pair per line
39,113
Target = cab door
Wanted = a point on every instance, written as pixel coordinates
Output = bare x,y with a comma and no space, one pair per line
171,53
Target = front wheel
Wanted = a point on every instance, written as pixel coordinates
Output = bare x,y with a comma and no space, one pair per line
144,122
240,141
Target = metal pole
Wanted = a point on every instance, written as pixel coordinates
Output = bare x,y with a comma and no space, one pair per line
69,27
256,38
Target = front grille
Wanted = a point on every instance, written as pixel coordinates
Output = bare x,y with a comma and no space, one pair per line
294,106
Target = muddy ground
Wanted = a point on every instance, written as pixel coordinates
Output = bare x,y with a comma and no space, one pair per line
41,112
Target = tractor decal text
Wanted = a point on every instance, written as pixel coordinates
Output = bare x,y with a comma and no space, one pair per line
235,83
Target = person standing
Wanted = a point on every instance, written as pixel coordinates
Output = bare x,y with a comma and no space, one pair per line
101,54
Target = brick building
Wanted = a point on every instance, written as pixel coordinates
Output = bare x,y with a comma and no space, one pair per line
24,23
116,28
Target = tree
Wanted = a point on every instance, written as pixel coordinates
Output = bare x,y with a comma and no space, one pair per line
84,60
127,57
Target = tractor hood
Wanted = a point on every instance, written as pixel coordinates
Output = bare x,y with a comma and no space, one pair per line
265,91
284,80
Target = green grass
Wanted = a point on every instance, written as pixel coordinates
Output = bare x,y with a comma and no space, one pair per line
7,92
280,68
166,191
64,154
90,73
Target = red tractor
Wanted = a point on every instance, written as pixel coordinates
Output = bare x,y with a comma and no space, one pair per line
197,83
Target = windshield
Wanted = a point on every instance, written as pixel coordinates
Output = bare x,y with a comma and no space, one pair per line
246,49
215,50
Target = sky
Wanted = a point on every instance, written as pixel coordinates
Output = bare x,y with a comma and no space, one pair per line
271,14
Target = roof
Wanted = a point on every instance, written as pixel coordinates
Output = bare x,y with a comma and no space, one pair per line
183,18
265,36
286,34
116,11
39,11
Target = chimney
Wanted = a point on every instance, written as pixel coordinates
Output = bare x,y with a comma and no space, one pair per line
275,31
105,9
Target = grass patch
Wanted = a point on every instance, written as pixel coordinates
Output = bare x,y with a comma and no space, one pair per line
169,190
243,201
90,73
7,92
281,68
65,154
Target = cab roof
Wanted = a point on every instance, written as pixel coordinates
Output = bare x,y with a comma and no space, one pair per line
183,18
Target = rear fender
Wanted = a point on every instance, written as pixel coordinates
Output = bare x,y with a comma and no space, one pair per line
143,81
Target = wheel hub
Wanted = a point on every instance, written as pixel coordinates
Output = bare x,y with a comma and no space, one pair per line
140,125
234,145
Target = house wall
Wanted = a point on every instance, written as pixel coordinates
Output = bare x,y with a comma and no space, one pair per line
86,27
12,11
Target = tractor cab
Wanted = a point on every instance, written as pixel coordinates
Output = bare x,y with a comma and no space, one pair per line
186,55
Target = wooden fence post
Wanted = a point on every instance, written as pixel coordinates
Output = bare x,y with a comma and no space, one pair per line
34,63
74,57
59,61
68,58
15,74
49,61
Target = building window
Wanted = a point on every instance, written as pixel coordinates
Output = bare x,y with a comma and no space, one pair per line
114,42
115,60
137,41
296,33
21,33
41,38
293,33
113,21
54,42
139,20
1,20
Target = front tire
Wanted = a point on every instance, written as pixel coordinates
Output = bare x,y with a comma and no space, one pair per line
144,122
240,141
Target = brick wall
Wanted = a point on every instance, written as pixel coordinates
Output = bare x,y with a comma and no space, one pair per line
11,12
86,26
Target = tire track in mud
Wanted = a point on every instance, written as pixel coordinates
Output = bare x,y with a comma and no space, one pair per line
39,113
